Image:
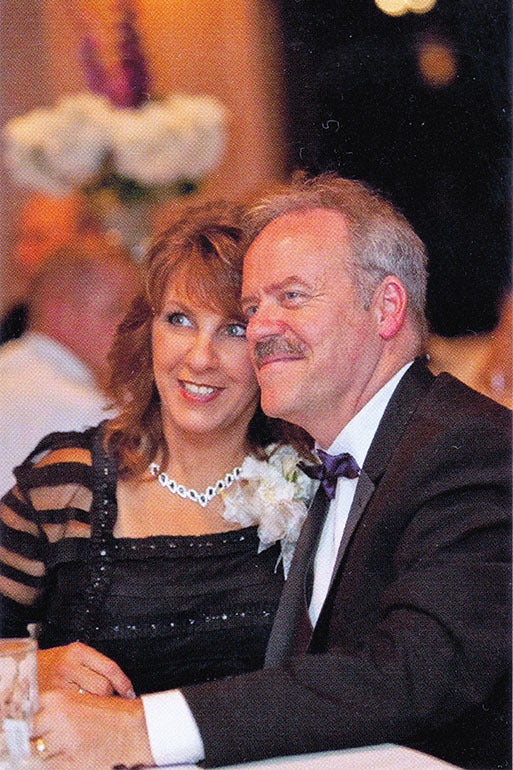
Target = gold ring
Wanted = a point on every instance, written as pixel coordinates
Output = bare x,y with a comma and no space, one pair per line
40,746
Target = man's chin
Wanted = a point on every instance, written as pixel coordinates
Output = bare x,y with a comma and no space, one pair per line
274,405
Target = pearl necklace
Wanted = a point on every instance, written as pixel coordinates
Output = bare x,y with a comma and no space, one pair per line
202,498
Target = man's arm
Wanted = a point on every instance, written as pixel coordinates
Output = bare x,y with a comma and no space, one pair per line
436,637
173,733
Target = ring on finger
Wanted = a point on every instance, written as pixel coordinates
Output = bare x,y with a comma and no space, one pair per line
40,747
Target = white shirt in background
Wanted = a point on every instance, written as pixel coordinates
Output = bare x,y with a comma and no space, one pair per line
44,388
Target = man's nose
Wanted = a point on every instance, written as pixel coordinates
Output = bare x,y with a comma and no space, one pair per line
265,322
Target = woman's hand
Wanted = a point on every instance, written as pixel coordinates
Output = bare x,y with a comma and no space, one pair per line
82,669
80,732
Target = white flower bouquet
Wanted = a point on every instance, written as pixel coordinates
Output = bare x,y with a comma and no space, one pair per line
86,142
115,137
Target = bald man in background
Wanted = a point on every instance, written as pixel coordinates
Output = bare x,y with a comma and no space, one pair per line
52,378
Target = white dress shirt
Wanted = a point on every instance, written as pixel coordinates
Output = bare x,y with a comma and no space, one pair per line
173,732
356,439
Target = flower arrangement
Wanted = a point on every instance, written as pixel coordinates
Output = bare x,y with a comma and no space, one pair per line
115,137
275,495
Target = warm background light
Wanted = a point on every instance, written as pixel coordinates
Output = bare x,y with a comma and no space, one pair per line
400,7
393,7
437,63
421,6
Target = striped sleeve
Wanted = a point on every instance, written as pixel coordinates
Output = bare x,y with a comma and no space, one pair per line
51,501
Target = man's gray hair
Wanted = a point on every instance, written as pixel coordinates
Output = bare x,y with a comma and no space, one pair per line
382,241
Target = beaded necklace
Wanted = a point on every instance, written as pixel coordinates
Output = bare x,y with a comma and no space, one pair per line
202,498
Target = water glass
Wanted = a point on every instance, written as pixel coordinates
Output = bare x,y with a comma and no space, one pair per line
18,701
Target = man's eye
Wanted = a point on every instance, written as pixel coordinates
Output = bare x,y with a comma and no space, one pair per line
250,310
177,319
292,296
236,330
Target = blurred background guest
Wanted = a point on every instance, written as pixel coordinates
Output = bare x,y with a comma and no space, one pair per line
482,361
44,223
52,378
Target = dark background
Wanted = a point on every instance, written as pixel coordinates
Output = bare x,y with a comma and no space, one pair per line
358,105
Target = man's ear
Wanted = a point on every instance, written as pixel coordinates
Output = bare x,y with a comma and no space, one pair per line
390,302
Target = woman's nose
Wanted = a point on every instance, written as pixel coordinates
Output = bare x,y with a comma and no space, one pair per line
202,352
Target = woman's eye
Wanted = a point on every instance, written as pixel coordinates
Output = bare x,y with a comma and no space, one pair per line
177,319
236,330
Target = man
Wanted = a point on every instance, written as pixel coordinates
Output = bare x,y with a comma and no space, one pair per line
404,635
52,378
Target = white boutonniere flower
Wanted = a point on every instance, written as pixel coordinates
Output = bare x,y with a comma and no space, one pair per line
273,494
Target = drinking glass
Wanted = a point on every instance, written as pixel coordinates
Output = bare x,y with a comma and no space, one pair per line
18,702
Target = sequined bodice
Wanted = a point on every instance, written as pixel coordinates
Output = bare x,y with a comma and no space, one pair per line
176,610
170,610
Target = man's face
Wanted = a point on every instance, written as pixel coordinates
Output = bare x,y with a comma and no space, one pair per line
313,344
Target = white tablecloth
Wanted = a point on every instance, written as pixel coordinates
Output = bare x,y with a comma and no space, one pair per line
384,757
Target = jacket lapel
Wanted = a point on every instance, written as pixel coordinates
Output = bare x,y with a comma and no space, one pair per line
292,630
290,633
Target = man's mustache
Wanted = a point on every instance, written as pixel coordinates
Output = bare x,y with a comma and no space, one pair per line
274,346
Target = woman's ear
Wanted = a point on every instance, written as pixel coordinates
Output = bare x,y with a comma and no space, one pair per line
390,302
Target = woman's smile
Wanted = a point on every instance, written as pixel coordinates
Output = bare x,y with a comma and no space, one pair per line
198,392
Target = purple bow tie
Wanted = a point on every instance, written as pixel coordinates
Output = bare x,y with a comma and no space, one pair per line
332,466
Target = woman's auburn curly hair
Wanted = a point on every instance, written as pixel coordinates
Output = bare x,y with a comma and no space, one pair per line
203,251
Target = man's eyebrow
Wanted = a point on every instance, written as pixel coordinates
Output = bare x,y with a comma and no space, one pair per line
273,288
248,298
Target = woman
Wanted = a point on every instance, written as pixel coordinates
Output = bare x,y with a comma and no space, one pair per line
138,538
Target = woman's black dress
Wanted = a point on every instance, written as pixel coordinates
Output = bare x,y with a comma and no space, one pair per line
170,610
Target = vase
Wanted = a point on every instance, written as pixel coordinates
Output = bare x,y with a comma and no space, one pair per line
130,223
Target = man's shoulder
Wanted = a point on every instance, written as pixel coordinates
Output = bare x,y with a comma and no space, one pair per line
437,411
454,395
452,423
443,392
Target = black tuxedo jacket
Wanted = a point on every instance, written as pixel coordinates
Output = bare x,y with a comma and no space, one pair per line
413,643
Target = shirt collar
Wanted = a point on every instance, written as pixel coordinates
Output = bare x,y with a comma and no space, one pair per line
356,437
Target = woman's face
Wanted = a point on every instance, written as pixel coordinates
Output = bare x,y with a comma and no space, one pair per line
202,369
